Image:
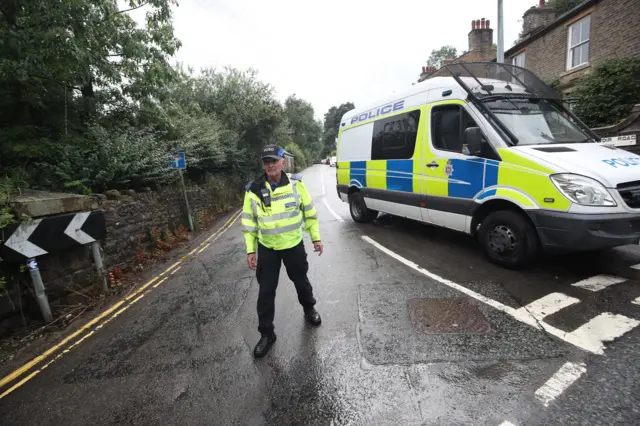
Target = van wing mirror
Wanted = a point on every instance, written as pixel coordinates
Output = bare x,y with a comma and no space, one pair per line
473,140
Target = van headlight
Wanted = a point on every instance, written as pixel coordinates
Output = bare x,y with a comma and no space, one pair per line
583,190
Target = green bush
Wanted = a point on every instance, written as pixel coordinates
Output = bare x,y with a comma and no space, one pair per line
9,186
608,93
300,160
74,119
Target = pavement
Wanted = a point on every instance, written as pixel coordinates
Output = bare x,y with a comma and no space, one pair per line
418,329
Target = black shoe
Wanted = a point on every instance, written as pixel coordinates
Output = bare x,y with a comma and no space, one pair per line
264,345
312,316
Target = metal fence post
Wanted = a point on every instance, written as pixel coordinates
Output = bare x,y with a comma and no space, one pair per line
186,200
38,286
97,260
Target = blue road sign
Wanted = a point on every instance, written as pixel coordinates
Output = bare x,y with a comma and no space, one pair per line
177,161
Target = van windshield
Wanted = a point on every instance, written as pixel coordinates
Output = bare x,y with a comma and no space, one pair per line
536,121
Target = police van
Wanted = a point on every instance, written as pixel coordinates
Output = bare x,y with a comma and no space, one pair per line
489,149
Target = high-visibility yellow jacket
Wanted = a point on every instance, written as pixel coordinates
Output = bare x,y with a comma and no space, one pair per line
278,226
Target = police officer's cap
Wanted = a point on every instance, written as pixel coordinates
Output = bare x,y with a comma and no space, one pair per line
272,151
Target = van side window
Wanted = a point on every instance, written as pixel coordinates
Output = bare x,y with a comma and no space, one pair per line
394,138
448,123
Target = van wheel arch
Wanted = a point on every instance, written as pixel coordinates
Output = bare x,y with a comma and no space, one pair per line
352,189
506,233
489,207
359,211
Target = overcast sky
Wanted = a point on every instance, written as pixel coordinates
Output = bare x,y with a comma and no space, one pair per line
332,51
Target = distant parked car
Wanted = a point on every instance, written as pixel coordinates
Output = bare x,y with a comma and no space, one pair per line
332,163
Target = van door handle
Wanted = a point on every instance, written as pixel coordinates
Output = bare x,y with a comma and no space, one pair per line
433,164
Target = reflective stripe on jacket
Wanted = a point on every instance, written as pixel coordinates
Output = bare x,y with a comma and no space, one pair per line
278,226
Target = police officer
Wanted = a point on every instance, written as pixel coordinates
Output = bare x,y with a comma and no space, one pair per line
276,208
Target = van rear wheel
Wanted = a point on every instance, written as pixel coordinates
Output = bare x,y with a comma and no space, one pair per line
359,211
508,239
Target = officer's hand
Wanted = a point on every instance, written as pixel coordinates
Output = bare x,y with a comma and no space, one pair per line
317,247
251,261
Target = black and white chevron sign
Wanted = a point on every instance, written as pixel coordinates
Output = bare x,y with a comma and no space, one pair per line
50,234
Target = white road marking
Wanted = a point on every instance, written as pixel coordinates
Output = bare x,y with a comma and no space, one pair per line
506,423
580,337
324,200
548,305
499,306
559,382
598,282
605,328
636,266
637,301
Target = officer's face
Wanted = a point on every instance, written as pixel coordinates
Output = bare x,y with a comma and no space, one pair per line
272,168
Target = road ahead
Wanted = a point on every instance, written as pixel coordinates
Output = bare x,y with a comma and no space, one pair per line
418,329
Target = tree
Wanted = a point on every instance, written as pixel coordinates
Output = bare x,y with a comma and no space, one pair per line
73,56
242,103
306,130
219,119
89,101
438,55
332,126
563,6
608,93
300,161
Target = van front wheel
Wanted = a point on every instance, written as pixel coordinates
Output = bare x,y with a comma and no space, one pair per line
358,209
508,239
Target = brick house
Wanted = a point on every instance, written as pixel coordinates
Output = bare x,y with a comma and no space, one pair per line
561,49
480,48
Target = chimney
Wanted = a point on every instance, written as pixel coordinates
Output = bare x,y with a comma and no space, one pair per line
427,71
481,36
447,61
536,18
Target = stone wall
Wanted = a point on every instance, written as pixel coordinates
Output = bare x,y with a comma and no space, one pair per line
135,221
133,216
614,33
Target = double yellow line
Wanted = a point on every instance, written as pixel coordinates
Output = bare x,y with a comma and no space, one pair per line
104,318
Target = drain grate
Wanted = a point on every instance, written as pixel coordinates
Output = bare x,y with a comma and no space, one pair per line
447,316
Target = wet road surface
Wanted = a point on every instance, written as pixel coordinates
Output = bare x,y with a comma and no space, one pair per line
418,329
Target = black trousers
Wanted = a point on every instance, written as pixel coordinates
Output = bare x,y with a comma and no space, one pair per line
268,273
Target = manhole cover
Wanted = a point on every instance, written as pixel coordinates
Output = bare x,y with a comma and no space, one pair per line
454,315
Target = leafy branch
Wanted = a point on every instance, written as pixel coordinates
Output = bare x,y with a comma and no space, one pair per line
608,93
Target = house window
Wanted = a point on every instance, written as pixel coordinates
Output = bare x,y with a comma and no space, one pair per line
518,60
579,43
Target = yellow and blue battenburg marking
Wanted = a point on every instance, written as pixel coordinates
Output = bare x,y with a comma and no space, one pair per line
393,175
516,178
358,173
466,178
469,177
400,175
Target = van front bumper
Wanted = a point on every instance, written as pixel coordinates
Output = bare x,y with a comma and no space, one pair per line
574,232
